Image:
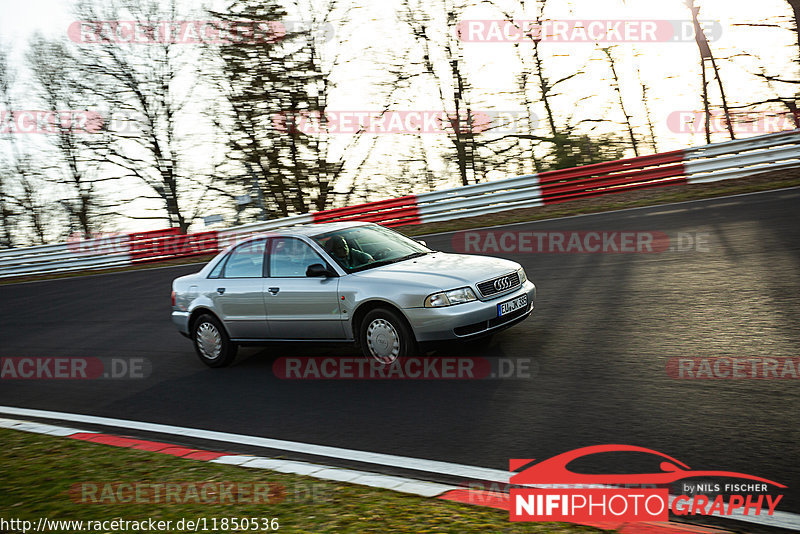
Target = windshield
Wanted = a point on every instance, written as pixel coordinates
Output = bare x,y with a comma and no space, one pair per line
365,247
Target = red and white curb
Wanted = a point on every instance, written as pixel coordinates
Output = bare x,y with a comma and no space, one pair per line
364,478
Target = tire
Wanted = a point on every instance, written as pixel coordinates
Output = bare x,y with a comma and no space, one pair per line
384,336
211,342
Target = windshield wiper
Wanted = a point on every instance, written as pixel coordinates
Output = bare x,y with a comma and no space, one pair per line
414,255
381,263
378,263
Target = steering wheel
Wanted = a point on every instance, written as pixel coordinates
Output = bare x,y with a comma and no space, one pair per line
382,253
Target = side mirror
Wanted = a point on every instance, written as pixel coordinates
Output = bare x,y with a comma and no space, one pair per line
317,269
421,242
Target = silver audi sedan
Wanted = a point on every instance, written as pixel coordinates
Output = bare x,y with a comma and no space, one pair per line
345,282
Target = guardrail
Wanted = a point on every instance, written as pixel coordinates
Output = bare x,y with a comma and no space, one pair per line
719,161
743,157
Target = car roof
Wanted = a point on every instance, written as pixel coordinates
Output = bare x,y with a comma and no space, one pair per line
309,229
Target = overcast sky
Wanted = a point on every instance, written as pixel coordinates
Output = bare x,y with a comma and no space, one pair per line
670,69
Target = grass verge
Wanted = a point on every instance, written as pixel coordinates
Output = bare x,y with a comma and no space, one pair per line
37,472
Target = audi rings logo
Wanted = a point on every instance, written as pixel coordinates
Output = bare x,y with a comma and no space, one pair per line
501,284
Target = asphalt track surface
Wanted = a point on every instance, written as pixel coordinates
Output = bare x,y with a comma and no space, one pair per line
604,328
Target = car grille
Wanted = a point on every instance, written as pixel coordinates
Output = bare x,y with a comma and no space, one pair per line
506,282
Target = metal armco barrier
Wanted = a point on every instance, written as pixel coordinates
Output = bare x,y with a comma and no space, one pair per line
170,243
613,177
710,163
743,157
392,212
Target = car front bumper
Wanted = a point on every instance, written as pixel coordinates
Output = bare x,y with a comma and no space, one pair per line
464,321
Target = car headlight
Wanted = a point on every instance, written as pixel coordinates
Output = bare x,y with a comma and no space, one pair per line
522,277
449,298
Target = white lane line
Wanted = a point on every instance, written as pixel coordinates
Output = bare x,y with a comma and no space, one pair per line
403,462
778,519
412,486
234,459
668,212
39,428
340,474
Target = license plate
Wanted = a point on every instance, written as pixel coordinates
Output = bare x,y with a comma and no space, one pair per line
509,306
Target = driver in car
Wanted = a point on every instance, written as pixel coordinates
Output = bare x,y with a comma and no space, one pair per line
348,257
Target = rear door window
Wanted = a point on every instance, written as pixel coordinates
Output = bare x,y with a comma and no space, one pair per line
246,261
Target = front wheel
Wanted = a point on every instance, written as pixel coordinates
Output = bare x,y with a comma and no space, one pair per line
213,346
385,336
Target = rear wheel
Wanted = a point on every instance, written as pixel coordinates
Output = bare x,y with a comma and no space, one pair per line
213,346
385,336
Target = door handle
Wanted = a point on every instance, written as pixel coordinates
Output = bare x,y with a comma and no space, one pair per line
220,290
274,290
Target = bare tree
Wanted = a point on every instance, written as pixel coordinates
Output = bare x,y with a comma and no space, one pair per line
269,87
6,211
443,63
616,86
147,89
566,144
795,5
706,55
647,114
790,102
279,95
77,149
25,212
528,83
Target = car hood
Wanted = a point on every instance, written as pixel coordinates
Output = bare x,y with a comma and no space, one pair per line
441,270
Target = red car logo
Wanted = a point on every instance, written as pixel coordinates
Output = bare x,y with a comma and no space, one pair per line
554,470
